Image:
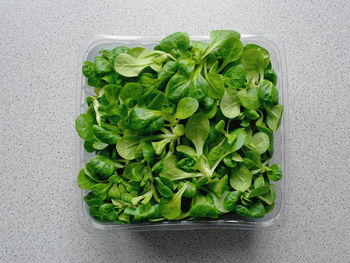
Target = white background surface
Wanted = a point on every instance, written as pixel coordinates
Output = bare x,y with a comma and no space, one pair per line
39,42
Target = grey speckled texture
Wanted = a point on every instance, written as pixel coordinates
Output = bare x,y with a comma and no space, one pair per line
39,43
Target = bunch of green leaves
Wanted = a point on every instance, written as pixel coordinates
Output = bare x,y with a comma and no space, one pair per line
184,131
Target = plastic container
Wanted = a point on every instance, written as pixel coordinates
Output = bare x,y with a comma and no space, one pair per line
89,49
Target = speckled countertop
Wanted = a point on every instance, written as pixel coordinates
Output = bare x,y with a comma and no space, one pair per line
38,50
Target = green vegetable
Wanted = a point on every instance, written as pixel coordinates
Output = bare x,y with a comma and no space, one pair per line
249,98
103,65
132,63
163,189
186,107
260,142
179,41
230,105
171,208
235,77
274,115
241,178
274,173
203,206
197,130
267,92
181,132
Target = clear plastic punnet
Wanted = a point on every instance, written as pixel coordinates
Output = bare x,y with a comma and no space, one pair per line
90,48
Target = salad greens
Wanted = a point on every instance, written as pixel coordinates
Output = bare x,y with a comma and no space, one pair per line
184,131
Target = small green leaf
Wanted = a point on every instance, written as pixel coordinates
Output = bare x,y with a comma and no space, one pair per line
131,91
274,173
249,98
241,178
83,125
84,181
186,107
126,146
260,142
274,115
217,88
197,130
229,104
171,208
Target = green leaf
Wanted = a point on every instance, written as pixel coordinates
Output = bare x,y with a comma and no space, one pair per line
198,86
274,115
251,114
197,130
261,126
236,157
257,210
146,211
187,150
83,125
219,201
101,166
163,189
101,190
160,145
179,41
230,200
84,181
203,206
167,71
185,66
229,104
242,210
178,87
233,145
274,173
190,190
253,62
231,51
263,52
99,145
148,152
259,191
140,118
186,107
268,94
111,92
187,164
218,186
111,54
144,198
215,154
222,40
89,70
241,178
216,84
132,91
235,77
249,98
269,197
103,65
126,146
270,75
171,208
260,142
104,134
179,130
173,173
138,58
252,159
134,172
